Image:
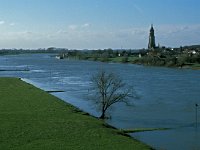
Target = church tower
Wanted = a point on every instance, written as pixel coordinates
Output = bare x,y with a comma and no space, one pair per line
151,44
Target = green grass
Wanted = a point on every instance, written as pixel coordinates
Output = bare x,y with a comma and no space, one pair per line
120,59
196,66
33,119
116,59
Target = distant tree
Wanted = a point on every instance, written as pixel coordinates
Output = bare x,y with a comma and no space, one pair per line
129,53
108,90
51,48
105,57
183,59
116,54
109,51
124,53
125,59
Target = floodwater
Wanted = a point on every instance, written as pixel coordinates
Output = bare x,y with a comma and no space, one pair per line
167,96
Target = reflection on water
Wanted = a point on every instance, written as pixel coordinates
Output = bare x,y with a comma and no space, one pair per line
167,96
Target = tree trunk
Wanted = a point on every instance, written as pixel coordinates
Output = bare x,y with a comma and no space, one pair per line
102,115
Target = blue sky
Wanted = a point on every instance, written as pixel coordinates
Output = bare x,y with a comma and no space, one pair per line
93,24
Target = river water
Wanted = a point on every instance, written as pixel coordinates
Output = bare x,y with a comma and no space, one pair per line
167,96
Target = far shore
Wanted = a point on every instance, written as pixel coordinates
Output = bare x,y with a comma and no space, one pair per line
131,60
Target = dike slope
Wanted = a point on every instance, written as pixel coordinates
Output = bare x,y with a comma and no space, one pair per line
33,119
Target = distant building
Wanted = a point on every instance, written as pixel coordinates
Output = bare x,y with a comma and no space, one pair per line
151,45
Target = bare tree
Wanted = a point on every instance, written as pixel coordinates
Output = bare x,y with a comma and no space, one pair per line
108,90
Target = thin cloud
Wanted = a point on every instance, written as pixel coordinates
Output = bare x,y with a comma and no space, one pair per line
78,27
85,25
184,34
2,22
61,32
12,24
72,27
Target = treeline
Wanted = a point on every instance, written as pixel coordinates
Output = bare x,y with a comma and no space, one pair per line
21,51
105,55
178,57
169,61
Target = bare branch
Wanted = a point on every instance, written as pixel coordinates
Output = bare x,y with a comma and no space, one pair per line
109,89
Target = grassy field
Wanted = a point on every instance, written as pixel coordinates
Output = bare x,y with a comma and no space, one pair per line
32,119
120,59
196,66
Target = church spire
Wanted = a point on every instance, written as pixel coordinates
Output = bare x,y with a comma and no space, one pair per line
151,25
151,44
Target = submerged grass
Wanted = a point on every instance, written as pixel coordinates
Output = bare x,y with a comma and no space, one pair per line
33,119
143,130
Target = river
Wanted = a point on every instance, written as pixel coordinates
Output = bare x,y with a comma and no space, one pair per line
167,96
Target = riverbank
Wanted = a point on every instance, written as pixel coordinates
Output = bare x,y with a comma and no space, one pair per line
146,61
33,119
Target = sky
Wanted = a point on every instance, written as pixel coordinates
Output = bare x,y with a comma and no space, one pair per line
98,24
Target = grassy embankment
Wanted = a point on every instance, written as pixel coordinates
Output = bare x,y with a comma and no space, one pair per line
32,119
